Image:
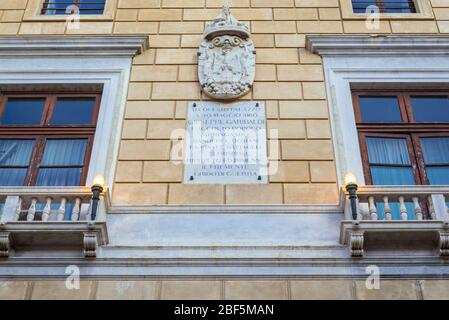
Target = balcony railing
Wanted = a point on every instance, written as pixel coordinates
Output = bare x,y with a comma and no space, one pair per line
397,210
401,203
50,216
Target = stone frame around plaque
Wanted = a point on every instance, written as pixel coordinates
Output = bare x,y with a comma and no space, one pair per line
226,143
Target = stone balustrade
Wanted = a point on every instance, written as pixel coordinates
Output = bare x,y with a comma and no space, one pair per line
48,206
397,218
44,213
387,203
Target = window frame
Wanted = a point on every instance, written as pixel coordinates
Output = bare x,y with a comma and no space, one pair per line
44,131
407,128
381,5
33,12
423,11
75,2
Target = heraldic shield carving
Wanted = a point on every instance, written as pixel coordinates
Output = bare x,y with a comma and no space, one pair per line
227,58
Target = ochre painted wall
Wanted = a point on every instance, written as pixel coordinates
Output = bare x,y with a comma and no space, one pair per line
164,78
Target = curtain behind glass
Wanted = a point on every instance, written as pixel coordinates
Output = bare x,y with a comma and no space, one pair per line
59,177
387,151
14,153
392,152
62,153
392,176
436,152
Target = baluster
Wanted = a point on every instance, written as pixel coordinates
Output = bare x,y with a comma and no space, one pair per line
387,209
447,204
89,212
433,215
47,210
361,211
61,210
32,210
76,210
402,209
372,208
18,210
417,208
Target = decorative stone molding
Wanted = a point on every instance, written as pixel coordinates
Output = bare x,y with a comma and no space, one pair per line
356,243
227,58
444,243
226,209
99,62
46,46
90,242
379,45
4,244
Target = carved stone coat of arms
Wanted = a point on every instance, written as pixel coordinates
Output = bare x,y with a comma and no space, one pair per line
227,58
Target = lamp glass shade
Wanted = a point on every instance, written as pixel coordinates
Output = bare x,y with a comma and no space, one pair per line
99,180
350,179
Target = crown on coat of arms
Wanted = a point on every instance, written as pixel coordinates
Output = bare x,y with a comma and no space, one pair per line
226,24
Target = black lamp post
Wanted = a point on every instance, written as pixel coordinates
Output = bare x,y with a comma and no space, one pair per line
351,187
97,189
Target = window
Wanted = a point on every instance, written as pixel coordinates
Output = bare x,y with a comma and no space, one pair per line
385,6
46,139
404,137
72,6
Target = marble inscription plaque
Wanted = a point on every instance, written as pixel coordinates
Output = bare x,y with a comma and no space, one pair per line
226,143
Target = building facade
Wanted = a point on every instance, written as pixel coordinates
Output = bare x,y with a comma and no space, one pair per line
102,92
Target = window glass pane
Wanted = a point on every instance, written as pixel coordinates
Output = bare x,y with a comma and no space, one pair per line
435,150
92,6
64,152
19,111
59,177
430,109
57,6
73,111
389,6
85,6
392,175
387,151
438,175
15,152
359,6
12,176
380,109
399,6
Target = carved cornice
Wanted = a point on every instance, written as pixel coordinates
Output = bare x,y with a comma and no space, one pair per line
416,267
45,46
389,45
